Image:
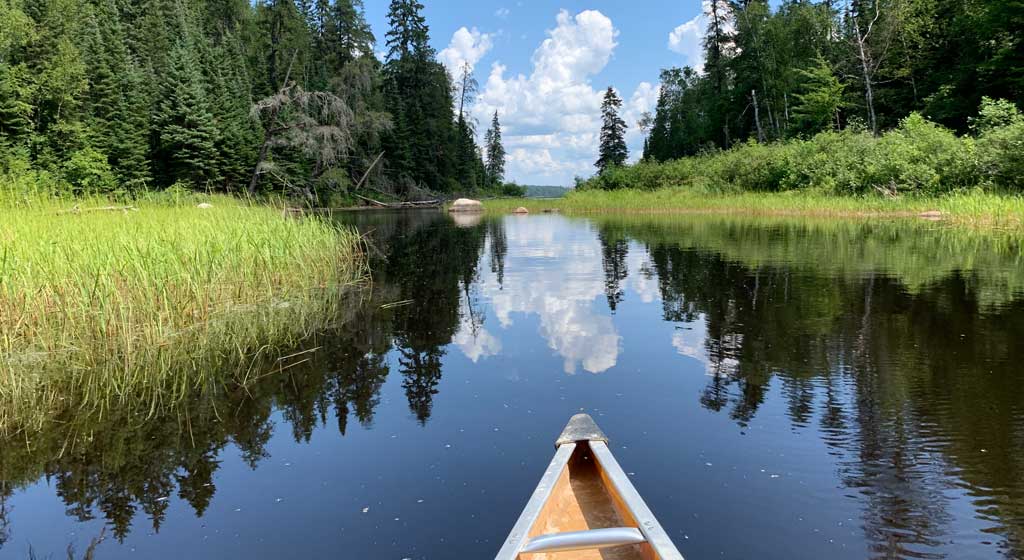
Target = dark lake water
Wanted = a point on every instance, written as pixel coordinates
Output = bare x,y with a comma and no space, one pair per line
775,389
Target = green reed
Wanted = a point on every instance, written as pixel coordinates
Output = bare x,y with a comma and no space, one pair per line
99,307
974,209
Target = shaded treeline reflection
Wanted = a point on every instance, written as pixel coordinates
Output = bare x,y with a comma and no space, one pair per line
896,343
124,461
908,363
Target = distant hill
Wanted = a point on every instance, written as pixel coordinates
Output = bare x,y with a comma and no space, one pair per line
545,191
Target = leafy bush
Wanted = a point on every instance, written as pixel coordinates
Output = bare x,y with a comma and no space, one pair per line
923,157
836,162
20,183
1001,156
748,167
645,175
918,157
88,172
1001,143
995,113
513,190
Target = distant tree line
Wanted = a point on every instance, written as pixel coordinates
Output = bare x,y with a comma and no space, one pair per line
811,66
270,96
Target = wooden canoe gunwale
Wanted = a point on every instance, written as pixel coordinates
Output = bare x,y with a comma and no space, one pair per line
580,440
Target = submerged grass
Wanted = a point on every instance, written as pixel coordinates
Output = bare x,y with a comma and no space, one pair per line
148,304
974,209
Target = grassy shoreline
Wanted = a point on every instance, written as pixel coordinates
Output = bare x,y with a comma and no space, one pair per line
152,303
978,210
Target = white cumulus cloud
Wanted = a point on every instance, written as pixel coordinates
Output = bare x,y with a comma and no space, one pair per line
688,38
551,117
503,12
466,46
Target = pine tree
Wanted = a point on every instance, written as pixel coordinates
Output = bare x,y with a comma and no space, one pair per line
349,36
185,127
718,50
612,151
495,153
15,108
237,138
131,146
468,156
423,145
118,103
408,34
285,30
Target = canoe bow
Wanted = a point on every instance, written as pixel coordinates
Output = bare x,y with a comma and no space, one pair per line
585,507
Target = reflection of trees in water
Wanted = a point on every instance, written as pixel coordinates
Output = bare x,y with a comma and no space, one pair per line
614,250
422,373
498,245
5,511
124,461
431,268
906,386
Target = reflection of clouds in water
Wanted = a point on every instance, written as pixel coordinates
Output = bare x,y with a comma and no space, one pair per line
561,292
579,334
642,278
480,344
690,340
474,340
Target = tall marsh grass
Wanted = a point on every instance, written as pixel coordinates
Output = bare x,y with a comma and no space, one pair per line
148,304
973,209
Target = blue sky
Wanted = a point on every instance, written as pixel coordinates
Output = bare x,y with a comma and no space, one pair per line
543,65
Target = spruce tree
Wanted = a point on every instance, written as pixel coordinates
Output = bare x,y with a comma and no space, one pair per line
612,151
349,35
228,95
186,132
131,147
15,108
408,33
423,145
495,153
465,143
719,49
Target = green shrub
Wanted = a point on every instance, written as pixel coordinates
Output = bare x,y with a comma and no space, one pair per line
645,175
1000,143
923,157
748,167
918,157
20,183
995,113
835,162
1001,156
513,190
88,172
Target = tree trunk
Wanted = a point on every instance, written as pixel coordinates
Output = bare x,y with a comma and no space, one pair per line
869,94
864,53
785,100
757,116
